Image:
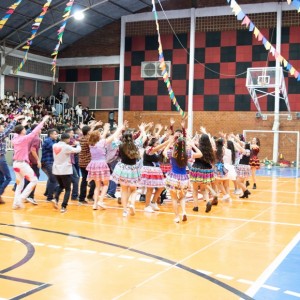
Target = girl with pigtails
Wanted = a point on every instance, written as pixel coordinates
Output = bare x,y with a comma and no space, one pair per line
177,180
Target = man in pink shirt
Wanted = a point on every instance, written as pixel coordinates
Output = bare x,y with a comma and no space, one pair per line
21,165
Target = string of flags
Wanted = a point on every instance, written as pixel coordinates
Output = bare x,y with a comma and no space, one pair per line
163,66
241,16
34,28
60,33
295,3
8,14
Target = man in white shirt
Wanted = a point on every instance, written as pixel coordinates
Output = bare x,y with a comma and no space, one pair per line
62,168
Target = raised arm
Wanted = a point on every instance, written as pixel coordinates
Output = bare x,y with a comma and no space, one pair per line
197,153
116,133
159,147
169,144
10,127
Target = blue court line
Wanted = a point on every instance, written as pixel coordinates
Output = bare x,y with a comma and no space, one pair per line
281,280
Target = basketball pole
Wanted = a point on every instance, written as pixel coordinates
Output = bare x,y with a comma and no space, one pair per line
277,91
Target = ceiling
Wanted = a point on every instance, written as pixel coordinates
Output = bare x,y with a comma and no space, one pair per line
98,13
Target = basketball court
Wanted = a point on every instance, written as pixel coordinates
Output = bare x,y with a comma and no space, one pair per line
246,249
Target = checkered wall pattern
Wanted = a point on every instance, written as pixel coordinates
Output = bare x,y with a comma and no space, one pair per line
218,55
104,96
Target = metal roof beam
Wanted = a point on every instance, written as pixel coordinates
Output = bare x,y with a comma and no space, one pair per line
55,24
120,6
144,2
30,21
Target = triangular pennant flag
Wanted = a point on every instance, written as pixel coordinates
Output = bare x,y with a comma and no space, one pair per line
289,66
272,50
233,3
236,9
246,21
296,74
241,15
256,32
285,63
264,41
267,45
251,27
292,71
260,37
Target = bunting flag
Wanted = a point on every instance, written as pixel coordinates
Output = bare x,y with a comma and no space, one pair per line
34,29
295,3
60,34
8,14
163,67
241,16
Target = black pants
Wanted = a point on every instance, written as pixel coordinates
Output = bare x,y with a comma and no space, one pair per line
83,186
64,182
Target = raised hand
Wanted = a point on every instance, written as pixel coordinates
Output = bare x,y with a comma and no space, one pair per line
172,121
46,118
142,126
106,126
125,124
203,130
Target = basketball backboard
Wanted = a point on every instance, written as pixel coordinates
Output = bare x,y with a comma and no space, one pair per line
263,81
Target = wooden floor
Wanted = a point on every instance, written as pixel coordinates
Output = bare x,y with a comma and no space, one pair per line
86,254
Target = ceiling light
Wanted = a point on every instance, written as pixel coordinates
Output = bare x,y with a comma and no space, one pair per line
78,15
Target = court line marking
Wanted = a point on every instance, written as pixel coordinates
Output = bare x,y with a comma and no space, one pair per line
172,264
171,213
222,276
179,263
292,293
30,253
273,266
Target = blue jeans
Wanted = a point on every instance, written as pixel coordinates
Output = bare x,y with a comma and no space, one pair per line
51,183
5,177
75,183
112,187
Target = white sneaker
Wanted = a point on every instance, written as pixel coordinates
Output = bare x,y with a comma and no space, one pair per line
125,213
154,206
131,210
225,197
17,206
101,204
177,220
54,203
237,192
31,200
63,210
149,209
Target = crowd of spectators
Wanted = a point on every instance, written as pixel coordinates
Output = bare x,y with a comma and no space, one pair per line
62,114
